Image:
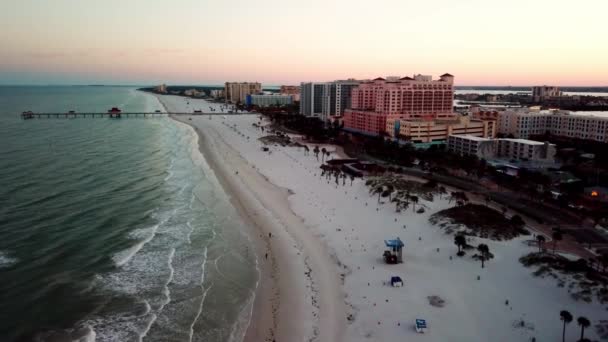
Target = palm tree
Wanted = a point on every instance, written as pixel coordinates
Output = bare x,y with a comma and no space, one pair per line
541,241
591,262
557,236
584,323
460,241
603,259
414,200
567,318
441,191
485,252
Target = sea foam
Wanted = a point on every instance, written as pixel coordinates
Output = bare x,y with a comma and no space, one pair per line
6,261
124,256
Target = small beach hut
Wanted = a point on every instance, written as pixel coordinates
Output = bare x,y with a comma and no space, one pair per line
394,254
420,325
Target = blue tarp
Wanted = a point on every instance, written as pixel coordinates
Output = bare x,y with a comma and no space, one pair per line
394,243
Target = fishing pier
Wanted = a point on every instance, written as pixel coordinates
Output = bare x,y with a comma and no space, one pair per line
114,113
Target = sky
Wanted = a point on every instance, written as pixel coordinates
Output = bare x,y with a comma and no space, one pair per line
481,42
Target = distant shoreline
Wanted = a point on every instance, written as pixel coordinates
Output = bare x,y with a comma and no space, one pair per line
583,89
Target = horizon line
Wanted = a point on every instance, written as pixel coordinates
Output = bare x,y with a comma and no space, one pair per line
271,85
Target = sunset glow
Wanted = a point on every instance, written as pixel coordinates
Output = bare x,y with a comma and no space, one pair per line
208,42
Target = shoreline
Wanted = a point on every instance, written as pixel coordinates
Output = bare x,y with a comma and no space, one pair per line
262,289
294,266
328,230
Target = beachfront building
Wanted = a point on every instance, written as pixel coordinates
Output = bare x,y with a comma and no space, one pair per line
311,99
587,127
406,99
194,93
292,90
266,100
235,92
510,149
524,122
216,93
523,149
161,88
542,93
472,145
423,131
337,97
481,113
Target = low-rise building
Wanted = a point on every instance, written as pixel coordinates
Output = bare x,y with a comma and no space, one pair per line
365,122
524,122
193,93
292,90
266,100
542,93
523,149
472,145
422,131
216,93
510,149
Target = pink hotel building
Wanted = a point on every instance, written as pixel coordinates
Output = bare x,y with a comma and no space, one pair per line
420,98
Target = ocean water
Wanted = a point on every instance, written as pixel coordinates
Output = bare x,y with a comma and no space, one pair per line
529,92
114,229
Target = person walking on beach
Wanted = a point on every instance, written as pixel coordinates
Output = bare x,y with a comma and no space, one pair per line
269,235
266,256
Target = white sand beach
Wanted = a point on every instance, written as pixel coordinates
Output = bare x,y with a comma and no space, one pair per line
324,279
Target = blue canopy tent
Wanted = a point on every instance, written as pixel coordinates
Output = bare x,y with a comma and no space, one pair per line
396,281
395,252
420,325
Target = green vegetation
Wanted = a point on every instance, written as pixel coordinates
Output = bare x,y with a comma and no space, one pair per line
478,220
403,192
584,279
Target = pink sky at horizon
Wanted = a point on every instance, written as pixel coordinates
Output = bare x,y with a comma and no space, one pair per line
275,42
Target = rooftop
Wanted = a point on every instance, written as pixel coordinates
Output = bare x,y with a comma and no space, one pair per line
470,137
524,141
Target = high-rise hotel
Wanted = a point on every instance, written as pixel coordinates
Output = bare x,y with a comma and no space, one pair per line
327,99
235,92
416,108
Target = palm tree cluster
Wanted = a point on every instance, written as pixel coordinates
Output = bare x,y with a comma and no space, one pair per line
566,317
329,172
460,197
599,263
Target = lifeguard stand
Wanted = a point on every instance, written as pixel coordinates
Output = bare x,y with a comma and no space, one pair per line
394,254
